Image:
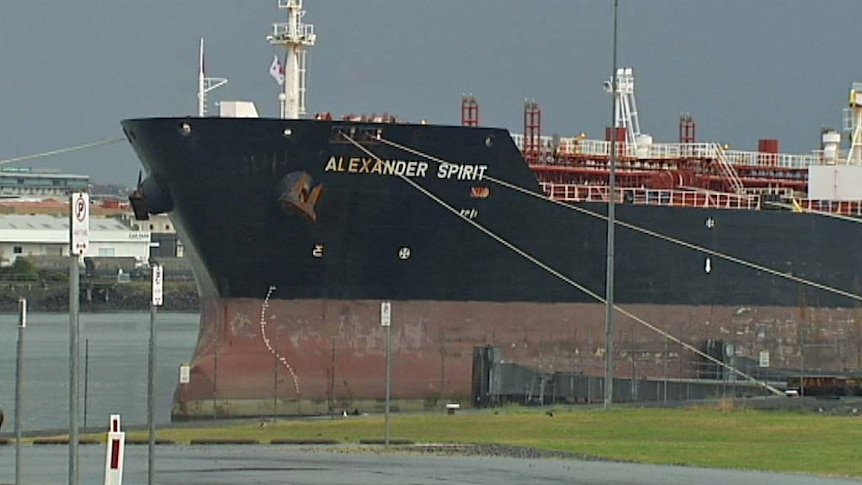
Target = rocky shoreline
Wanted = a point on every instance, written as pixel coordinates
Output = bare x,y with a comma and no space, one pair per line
97,296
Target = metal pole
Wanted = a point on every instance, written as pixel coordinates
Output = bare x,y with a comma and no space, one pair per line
86,377
388,378
74,291
802,362
151,401
609,291
19,385
274,385
666,353
202,107
219,330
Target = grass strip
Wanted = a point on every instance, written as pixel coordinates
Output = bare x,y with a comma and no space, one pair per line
715,437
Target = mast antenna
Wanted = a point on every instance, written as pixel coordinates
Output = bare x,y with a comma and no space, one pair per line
295,37
626,111
206,84
853,124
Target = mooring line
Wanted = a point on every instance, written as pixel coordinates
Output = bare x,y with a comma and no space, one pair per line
62,150
568,280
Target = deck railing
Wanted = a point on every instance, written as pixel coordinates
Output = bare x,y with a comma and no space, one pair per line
575,146
643,196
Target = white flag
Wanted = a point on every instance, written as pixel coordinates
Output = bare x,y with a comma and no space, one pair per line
276,70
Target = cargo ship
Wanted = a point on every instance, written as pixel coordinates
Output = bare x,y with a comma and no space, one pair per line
300,228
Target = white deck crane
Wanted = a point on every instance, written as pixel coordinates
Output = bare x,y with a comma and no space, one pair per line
626,114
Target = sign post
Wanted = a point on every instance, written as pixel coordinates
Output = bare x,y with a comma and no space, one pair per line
386,322
19,385
157,300
79,238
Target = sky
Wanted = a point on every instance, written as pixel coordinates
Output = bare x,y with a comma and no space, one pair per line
745,70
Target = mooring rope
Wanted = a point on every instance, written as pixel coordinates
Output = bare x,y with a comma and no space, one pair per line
62,150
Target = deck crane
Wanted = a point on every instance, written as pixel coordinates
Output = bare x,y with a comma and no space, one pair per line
853,124
626,111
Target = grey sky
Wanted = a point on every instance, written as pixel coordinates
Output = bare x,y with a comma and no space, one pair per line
745,69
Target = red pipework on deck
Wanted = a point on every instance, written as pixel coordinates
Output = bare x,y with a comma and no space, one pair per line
686,128
769,151
532,130
469,111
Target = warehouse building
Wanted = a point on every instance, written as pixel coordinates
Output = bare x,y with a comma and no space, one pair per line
48,235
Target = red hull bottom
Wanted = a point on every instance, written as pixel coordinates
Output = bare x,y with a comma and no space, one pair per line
287,357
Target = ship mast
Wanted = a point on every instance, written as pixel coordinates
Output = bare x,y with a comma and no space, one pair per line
853,123
205,84
626,112
295,37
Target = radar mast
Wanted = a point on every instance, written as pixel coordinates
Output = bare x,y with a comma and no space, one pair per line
295,37
205,84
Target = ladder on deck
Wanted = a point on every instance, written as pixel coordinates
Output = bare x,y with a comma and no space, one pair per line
727,170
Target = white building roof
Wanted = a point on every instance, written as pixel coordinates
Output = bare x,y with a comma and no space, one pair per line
47,228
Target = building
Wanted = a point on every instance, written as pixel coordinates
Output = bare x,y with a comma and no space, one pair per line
48,235
164,242
30,182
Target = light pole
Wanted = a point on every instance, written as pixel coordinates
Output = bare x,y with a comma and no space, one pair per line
79,239
609,290
156,301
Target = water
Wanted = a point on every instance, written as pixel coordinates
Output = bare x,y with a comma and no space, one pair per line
117,377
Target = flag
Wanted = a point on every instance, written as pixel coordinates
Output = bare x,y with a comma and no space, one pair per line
276,70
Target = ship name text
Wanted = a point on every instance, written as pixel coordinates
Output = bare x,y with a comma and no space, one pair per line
461,172
407,168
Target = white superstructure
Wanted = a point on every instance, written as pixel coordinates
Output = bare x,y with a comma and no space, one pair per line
837,179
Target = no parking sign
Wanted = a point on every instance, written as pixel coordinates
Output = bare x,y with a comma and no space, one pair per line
158,284
80,222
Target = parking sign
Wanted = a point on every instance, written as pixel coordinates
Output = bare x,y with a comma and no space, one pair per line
80,222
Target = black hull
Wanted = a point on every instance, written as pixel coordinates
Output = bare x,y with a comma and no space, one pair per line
284,227
224,179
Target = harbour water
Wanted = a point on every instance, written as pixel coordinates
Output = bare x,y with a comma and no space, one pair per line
114,355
